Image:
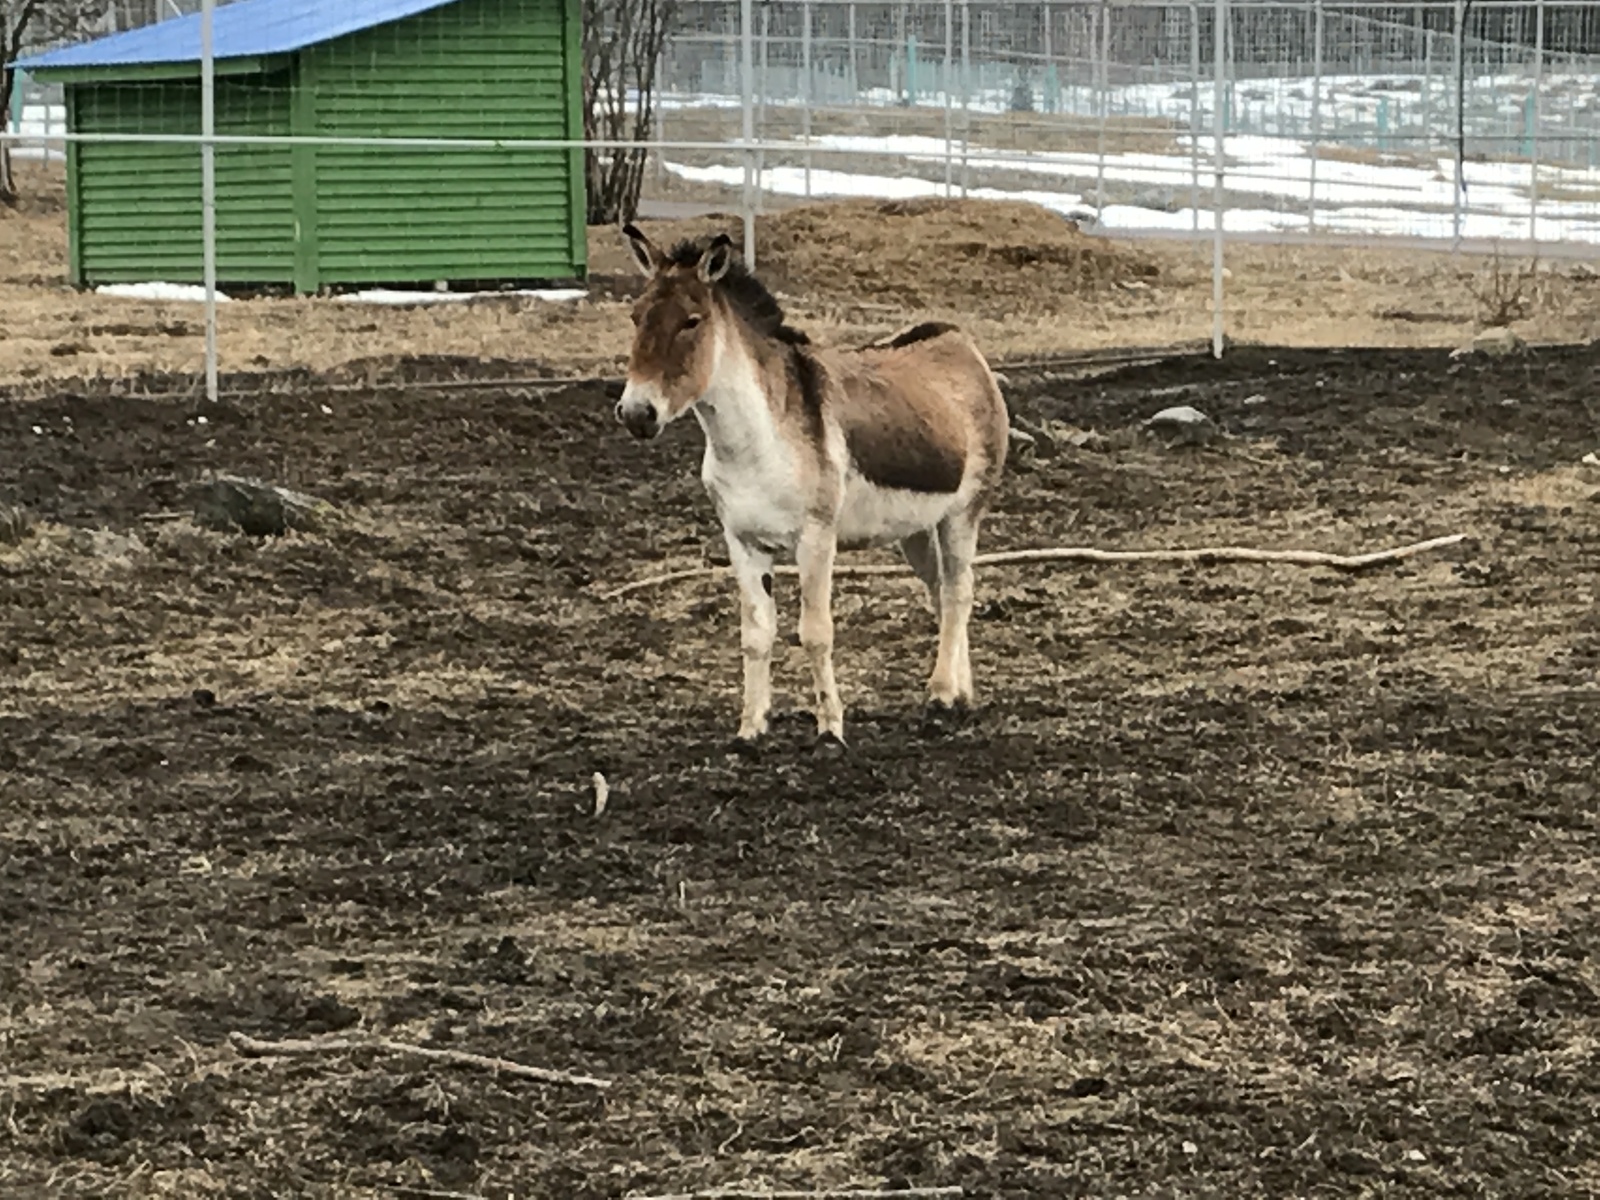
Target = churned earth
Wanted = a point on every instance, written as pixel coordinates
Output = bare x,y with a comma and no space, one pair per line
1243,880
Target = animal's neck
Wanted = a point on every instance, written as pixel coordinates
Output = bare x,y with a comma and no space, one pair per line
734,412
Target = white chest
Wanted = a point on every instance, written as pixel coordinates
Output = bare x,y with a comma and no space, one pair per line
757,498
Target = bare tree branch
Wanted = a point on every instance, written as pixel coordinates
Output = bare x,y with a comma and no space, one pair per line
1202,554
623,40
24,23
343,1045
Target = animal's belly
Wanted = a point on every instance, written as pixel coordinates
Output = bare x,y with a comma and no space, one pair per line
876,517
757,514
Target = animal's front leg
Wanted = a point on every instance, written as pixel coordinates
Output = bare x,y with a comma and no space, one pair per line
758,627
814,558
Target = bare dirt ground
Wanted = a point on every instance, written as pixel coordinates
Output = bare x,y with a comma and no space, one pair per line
1241,882
848,269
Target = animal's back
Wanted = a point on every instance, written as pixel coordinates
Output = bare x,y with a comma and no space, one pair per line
922,411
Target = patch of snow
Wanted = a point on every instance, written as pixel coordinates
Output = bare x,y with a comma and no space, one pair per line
385,296
190,292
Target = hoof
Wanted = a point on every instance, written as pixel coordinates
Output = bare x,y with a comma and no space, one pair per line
829,745
940,717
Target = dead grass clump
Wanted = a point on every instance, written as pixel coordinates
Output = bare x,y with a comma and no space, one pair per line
985,257
1505,293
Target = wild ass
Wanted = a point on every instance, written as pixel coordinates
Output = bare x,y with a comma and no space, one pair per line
810,450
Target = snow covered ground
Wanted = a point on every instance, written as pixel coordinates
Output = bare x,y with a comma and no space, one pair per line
194,293
1269,186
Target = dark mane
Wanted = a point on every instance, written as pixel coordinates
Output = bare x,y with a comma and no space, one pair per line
745,294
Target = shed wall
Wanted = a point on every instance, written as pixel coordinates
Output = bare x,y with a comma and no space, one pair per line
135,208
478,68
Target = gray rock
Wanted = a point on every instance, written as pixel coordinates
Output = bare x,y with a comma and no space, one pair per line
1495,342
258,509
1183,425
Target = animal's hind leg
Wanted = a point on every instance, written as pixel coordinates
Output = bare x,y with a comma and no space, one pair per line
951,682
922,552
814,557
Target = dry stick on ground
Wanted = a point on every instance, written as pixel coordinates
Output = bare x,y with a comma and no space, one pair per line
737,1193
434,1193
336,1045
1207,554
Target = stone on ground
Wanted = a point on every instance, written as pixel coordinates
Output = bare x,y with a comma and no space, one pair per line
259,509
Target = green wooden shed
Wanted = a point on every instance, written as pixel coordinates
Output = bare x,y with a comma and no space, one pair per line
322,215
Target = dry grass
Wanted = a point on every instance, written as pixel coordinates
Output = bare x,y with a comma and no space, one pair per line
1368,156
1022,277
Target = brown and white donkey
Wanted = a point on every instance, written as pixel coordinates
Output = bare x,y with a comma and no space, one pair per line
811,450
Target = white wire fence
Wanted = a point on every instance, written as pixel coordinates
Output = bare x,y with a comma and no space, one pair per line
1462,124
1433,122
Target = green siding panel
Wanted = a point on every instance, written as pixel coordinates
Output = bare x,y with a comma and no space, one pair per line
478,68
138,206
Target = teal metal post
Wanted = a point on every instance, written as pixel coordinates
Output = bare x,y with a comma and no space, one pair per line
17,81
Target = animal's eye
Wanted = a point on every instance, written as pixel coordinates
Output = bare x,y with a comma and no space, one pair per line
691,322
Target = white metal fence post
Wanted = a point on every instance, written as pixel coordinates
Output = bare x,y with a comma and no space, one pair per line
747,69
1047,96
1101,51
949,118
762,97
659,116
1219,83
1194,112
966,94
1318,20
1538,84
805,101
1461,125
1427,87
208,188
855,75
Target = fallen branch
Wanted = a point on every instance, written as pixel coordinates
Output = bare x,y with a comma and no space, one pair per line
336,1045
738,1193
1206,554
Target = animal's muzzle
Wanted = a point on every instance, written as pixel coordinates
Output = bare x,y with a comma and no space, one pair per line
639,415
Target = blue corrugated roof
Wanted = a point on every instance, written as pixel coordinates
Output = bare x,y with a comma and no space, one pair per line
243,29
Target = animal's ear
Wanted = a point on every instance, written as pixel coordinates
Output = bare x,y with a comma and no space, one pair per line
644,250
716,260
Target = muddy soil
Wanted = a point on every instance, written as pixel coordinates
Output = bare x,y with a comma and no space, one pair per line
1242,880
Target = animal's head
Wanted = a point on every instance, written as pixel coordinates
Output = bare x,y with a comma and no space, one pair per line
676,334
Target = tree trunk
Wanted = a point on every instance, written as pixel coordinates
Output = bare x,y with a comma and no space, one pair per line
623,40
8,79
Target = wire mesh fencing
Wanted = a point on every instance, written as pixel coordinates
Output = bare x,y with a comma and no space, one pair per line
1436,122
